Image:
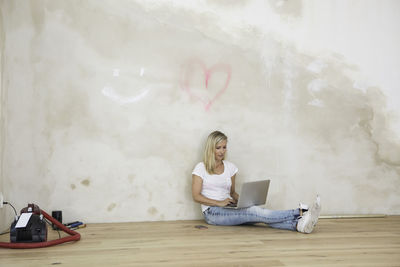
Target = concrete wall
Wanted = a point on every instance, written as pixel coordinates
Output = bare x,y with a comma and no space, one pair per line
108,103
3,212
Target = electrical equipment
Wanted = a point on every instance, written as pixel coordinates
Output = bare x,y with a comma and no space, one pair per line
34,234
34,231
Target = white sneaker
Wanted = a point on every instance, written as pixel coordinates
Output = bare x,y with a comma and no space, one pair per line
316,210
309,219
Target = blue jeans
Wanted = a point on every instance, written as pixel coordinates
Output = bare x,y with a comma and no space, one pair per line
280,219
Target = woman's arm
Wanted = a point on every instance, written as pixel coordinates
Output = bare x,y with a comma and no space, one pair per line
197,184
234,195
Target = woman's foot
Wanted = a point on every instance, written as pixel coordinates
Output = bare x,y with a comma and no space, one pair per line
309,219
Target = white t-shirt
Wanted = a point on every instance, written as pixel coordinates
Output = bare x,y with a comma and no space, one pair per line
216,186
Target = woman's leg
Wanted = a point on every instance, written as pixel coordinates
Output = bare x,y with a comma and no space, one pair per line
282,219
288,225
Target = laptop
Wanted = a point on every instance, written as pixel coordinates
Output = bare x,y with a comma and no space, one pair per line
252,194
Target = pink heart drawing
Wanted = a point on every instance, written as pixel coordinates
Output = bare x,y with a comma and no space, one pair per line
196,65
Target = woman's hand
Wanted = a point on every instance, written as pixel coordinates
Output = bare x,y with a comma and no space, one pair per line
235,196
226,202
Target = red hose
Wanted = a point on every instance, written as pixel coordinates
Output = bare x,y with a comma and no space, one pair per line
74,236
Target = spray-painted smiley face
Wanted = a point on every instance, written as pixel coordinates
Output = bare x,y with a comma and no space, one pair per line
121,99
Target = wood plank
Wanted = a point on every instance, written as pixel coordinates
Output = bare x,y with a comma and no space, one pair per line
335,242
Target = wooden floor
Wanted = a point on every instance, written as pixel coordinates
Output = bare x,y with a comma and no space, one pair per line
335,242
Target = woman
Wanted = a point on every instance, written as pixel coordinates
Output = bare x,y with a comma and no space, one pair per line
213,186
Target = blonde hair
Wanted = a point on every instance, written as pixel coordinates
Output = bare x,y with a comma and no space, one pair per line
209,152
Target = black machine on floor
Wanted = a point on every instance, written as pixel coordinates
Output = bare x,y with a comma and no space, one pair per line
34,231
